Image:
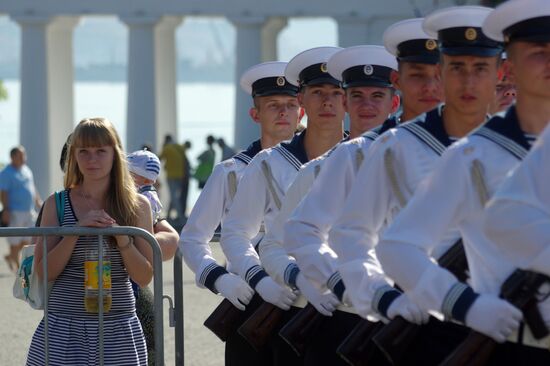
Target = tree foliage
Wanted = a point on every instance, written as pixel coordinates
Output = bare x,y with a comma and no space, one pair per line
3,91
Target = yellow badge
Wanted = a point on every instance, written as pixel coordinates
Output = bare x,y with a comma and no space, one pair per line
468,150
385,138
324,67
281,81
470,34
431,44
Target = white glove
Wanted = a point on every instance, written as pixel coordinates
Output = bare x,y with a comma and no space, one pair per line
493,317
325,302
234,289
273,293
404,307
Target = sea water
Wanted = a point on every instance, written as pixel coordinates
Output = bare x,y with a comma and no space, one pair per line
203,109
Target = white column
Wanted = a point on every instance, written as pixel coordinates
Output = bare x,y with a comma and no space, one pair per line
33,128
142,114
353,31
46,95
270,33
249,53
60,91
166,78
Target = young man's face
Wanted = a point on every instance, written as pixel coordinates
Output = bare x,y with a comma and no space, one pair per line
369,106
505,93
469,82
278,115
420,86
323,104
529,68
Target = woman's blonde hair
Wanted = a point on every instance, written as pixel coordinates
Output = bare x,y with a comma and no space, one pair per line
122,197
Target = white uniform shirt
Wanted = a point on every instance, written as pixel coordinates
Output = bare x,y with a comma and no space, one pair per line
372,203
271,247
306,231
518,216
454,196
255,202
209,210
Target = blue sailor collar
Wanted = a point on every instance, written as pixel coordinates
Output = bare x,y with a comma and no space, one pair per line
294,150
505,131
247,155
429,129
147,188
388,124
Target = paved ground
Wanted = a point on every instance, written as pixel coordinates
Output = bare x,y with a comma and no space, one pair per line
18,321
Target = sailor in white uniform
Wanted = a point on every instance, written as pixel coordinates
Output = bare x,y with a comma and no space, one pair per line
399,160
370,99
306,232
265,181
277,111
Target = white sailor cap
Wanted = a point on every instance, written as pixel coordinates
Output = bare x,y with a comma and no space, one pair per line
362,66
267,78
458,30
407,41
310,67
144,163
525,20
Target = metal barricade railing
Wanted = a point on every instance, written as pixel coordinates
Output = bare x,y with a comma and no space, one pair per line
178,303
84,231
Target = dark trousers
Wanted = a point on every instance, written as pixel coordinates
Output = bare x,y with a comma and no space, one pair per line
321,349
435,341
183,194
517,354
238,352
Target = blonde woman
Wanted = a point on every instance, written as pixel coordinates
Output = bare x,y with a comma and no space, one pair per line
99,193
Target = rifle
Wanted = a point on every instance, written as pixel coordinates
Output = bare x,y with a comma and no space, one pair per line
520,289
357,349
259,327
225,319
397,336
301,328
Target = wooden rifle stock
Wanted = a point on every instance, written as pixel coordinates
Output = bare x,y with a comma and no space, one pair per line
301,328
259,327
225,320
357,349
394,339
474,351
520,289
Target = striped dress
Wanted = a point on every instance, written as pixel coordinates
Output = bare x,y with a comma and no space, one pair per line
73,333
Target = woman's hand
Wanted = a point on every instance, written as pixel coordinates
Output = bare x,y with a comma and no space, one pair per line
96,218
122,241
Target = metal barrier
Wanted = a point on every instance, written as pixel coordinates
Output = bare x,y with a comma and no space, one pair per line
122,230
177,309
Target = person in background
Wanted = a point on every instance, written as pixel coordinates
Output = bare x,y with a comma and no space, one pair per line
206,163
19,200
227,152
186,177
505,93
145,168
172,157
